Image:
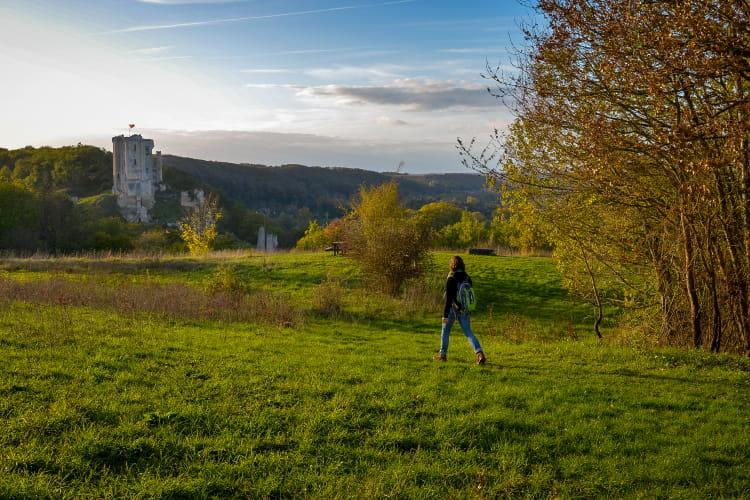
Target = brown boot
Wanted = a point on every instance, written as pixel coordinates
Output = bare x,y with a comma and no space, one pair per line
440,357
480,358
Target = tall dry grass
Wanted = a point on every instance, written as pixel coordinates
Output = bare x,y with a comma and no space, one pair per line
172,300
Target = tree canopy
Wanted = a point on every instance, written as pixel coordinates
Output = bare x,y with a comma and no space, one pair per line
81,170
630,146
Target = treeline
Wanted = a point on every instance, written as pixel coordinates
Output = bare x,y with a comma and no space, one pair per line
631,148
50,221
79,171
39,193
447,226
59,200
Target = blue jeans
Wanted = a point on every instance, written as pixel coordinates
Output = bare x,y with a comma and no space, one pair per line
465,321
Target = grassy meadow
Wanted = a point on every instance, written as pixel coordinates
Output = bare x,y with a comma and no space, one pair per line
254,376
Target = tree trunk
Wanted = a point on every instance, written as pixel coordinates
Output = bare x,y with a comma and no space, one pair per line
597,297
695,307
744,306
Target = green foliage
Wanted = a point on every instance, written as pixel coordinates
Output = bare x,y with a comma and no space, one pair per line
437,215
111,233
389,248
470,231
283,199
31,221
100,206
329,298
81,170
517,230
157,240
315,238
178,180
19,212
324,191
227,281
166,207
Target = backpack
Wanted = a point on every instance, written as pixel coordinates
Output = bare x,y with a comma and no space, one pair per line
465,298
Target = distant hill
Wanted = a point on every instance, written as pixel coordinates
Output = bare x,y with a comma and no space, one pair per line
60,199
323,190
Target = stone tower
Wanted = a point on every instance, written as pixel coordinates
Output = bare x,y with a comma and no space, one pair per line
137,176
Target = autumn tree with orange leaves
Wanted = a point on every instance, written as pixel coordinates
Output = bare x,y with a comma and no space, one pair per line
630,146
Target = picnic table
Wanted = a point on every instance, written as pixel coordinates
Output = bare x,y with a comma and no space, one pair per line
337,248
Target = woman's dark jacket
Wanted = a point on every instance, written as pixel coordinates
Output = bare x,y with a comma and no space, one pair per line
451,290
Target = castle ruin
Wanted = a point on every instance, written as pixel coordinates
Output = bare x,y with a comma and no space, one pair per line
137,176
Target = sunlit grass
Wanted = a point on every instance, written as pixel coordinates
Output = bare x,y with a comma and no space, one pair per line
347,402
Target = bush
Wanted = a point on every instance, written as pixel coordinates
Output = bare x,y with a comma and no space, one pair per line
225,281
314,239
153,241
389,248
328,298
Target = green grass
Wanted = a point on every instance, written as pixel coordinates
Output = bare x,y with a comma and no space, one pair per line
101,403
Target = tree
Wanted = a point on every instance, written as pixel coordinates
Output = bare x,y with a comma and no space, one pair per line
335,230
437,215
469,231
516,231
389,248
631,146
198,227
314,238
19,216
58,223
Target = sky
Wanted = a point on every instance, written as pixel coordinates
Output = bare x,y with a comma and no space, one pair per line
365,84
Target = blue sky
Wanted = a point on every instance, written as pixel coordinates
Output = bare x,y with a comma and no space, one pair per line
353,83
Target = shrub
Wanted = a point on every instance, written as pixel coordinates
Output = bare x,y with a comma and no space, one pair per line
225,281
155,240
328,298
389,248
314,239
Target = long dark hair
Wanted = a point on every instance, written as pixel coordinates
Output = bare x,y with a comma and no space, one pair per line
457,264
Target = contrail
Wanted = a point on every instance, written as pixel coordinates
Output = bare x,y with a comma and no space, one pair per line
252,18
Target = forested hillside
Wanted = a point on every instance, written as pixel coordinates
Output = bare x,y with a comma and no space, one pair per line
324,190
78,170
59,199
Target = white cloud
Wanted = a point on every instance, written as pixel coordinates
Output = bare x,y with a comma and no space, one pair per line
152,50
408,94
476,50
272,86
393,122
376,73
162,59
65,82
248,18
266,71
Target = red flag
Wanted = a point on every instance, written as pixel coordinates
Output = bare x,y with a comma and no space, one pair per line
131,125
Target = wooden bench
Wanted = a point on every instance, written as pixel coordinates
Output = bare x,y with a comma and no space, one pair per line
481,251
337,248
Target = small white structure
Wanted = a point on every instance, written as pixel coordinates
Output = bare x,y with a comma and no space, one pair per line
191,200
267,242
137,173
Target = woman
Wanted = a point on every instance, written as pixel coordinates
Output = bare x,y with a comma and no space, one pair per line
452,311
